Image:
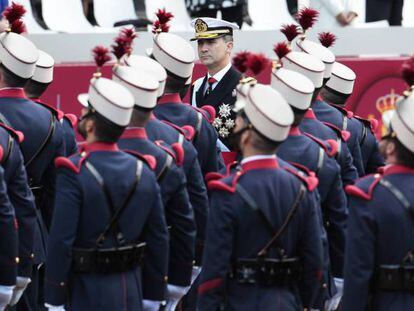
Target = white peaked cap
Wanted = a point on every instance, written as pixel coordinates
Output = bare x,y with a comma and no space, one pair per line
44,68
174,53
296,88
305,64
320,52
18,54
342,79
211,28
266,109
110,99
402,121
142,85
150,66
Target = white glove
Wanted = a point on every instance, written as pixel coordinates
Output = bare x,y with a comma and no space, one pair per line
333,303
21,284
151,305
176,292
6,293
54,308
174,295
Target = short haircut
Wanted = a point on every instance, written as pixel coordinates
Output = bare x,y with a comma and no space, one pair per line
105,130
35,89
299,115
404,155
174,85
11,79
334,98
228,38
263,144
260,142
140,116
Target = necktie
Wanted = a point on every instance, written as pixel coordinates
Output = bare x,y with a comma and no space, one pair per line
210,81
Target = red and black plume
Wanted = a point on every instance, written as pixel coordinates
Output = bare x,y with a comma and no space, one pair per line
327,39
161,24
101,56
240,61
282,49
407,71
256,63
14,14
307,17
123,43
291,31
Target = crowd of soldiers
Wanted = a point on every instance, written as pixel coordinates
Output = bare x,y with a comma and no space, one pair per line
252,197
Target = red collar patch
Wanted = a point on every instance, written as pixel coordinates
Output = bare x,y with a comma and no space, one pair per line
170,99
295,131
397,169
99,146
13,93
139,133
310,114
260,164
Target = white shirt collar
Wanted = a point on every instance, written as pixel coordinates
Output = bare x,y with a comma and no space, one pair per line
258,157
219,75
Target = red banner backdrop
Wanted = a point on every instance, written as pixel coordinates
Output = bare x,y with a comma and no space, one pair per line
377,83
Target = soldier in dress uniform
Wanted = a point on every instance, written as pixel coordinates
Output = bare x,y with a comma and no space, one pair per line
43,137
218,87
313,68
257,239
103,231
173,135
8,244
379,249
35,88
22,201
170,176
336,92
326,113
179,65
317,156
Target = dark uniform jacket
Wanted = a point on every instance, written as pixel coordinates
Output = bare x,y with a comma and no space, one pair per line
178,209
171,109
344,122
222,98
9,240
236,231
42,144
158,130
380,232
81,214
20,196
311,125
318,156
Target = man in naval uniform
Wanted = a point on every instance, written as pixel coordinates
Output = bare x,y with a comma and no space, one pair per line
217,88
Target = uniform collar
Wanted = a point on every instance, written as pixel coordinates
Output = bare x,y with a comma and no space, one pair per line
13,92
170,98
397,169
294,131
259,162
319,97
219,75
135,132
310,114
99,146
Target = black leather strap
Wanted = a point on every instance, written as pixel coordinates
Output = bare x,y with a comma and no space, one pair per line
276,233
44,143
398,195
115,212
